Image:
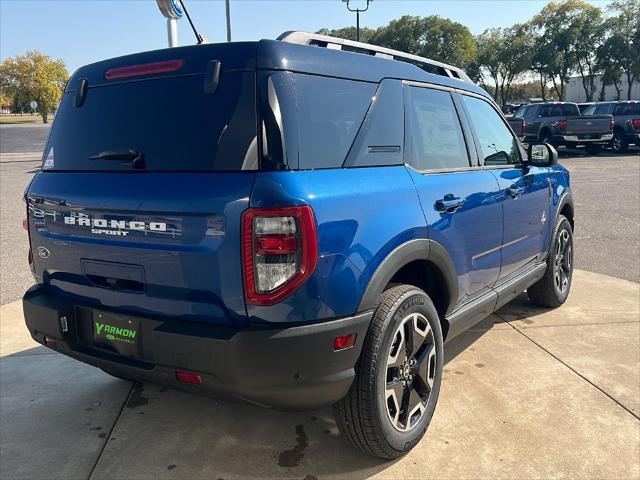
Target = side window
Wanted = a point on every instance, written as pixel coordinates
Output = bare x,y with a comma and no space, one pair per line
530,114
590,110
437,138
605,108
330,112
497,144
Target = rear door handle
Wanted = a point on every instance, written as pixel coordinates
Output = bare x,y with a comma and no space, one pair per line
449,203
515,192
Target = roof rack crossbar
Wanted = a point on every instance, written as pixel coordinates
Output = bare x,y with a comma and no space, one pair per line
431,66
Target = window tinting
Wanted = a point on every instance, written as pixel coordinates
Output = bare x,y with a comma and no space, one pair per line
437,139
605,109
562,110
530,114
520,112
590,110
172,121
627,109
498,145
330,112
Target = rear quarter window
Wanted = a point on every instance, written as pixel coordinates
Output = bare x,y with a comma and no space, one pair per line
330,112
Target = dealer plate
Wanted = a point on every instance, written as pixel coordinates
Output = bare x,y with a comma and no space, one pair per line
117,333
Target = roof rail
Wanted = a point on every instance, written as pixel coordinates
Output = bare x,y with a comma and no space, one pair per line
333,43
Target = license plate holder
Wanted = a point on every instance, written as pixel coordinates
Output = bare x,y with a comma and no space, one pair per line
117,333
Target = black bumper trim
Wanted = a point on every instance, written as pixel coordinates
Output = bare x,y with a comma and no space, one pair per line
289,368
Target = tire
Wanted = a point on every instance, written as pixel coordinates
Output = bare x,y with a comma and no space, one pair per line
369,415
593,149
551,290
545,137
618,143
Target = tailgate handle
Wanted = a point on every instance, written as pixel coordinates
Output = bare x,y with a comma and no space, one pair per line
116,276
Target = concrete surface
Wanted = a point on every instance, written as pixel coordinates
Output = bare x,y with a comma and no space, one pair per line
526,393
605,188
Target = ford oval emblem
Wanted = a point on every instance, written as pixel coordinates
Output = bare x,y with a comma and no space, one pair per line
43,252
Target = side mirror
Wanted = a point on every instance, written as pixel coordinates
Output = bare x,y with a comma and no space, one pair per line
542,155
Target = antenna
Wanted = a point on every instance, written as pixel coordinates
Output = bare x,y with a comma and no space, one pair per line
199,37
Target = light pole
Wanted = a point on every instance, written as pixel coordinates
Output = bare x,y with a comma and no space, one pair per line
172,10
357,10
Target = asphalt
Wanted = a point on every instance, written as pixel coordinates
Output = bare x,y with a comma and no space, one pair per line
606,190
527,393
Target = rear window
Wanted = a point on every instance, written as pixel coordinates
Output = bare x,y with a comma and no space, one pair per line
627,109
563,110
171,121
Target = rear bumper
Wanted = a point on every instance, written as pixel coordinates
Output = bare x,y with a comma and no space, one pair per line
577,139
292,368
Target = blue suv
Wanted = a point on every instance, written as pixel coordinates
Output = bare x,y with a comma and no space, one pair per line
293,223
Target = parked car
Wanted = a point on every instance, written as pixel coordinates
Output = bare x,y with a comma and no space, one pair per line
626,122
288,225
560,123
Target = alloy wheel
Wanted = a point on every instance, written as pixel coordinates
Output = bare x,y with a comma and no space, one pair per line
563,261
410,372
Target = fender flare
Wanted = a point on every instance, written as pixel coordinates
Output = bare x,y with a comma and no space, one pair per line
418,249
566,199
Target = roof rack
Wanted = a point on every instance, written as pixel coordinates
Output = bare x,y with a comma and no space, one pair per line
333,43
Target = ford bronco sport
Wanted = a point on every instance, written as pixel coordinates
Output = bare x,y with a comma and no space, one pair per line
293,223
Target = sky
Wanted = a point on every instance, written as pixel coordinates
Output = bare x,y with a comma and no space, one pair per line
85,31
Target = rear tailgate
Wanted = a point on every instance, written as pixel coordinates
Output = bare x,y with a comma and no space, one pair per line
517,124
589,125
160,238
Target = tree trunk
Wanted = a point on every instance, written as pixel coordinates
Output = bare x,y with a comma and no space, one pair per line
629,84
602,90
542,89
45,117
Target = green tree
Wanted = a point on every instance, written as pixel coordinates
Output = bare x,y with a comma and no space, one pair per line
34,76
433,37
623,42
504,54
349,33
558,28
588,40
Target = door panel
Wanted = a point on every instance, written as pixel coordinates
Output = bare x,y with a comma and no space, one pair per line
461,204
524,190
471,233
525,206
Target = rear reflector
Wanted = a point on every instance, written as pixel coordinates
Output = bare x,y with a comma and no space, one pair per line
51,343
345,341
188,377
143,69
25,224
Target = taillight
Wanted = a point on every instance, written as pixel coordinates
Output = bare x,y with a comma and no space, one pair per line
143,69
279,252
562,125
523,128
612,124
636,123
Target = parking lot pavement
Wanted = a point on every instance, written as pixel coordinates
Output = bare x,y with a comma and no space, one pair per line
528,392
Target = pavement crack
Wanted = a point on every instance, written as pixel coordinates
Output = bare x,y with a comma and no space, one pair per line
113,426
617,402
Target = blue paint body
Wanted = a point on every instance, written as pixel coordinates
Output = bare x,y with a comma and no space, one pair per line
362,214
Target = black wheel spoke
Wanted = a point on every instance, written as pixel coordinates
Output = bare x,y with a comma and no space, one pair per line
424,369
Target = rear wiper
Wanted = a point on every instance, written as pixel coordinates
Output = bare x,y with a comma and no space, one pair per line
136,157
